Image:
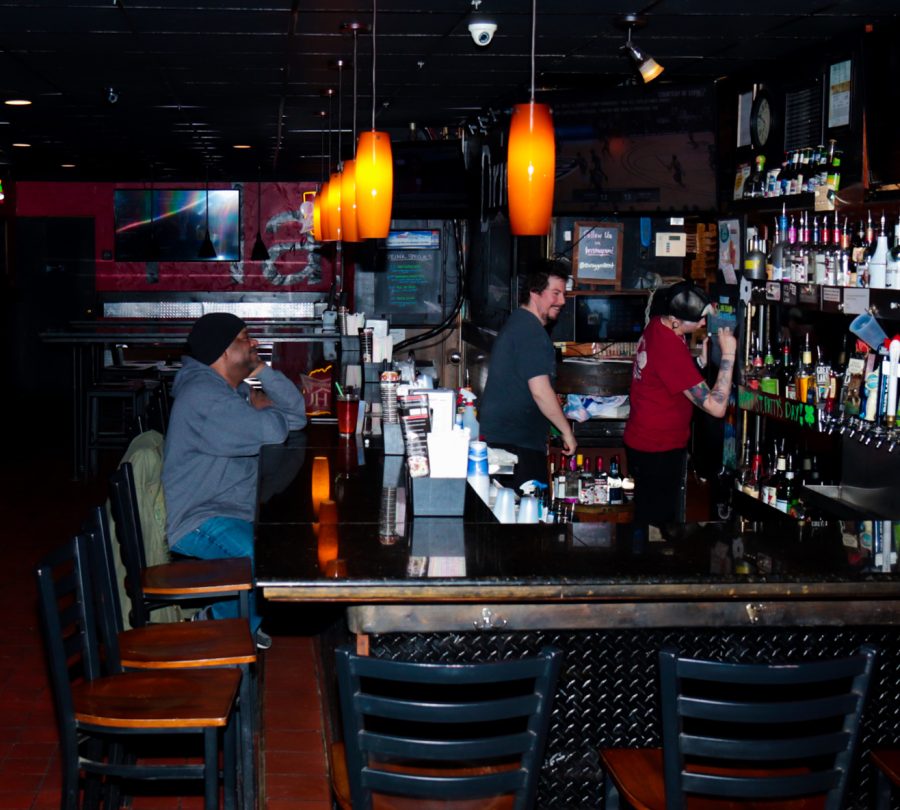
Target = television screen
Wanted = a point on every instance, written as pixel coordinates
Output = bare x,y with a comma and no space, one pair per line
409,288
168,225
430,180
613,318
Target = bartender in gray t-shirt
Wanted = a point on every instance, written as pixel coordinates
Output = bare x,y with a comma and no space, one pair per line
519,400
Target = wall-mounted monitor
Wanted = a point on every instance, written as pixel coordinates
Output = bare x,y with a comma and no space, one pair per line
168,225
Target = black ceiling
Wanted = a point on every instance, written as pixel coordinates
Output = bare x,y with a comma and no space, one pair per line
191,79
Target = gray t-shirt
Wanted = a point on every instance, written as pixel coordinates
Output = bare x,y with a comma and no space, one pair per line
508,413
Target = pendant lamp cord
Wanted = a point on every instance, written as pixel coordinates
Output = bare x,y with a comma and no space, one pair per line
355,41
258,199
207,200
374,17
340,149
330,130
533,36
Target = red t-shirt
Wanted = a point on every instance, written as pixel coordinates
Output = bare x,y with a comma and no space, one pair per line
660,417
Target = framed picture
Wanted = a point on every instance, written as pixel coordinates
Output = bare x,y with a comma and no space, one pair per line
597,254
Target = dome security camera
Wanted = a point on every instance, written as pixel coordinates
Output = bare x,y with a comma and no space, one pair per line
482,32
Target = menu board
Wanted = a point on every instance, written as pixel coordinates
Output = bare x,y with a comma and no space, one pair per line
408,290
598,253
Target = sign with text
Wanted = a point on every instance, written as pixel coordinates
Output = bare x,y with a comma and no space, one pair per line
598,253
800,413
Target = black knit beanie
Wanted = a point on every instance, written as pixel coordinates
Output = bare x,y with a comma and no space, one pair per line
212,334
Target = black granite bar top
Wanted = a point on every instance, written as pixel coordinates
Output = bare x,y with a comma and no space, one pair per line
365,545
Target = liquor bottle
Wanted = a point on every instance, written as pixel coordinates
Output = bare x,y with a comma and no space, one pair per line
743,473
601,483
559,485
752,484
777,255
820,249
796,173
786,493
832,253
822,166
756,367
842,267
572,478
768,381
754,261
834,166
788,384
892,271
756,183
586,482
806,374
858,258
768,492
786,175
878,259
614,482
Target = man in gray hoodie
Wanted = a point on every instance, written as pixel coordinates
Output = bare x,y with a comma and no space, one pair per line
217,427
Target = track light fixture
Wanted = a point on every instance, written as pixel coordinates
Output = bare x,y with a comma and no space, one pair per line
647,66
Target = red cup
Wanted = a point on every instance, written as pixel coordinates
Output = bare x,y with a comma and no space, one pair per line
347,413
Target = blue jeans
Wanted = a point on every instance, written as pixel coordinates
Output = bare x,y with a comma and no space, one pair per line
214,539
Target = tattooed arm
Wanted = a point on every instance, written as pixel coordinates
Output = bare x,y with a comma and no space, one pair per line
715,401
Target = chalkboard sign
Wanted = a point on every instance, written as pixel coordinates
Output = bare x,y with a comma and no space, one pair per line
598,253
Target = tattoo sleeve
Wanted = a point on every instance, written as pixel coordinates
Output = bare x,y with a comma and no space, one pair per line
717,397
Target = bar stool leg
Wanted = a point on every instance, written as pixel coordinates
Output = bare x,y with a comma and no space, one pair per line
882,792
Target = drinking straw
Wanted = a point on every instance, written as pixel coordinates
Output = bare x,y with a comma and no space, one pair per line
339,389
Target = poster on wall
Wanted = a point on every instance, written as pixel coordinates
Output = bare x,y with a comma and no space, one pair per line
637,149
729,249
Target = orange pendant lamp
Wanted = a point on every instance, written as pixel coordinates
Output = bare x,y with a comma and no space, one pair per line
374,171
349,227
530,169
333,206
374,184
317,217
531,161
322,200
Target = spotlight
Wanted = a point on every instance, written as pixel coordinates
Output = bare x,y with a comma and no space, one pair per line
647,66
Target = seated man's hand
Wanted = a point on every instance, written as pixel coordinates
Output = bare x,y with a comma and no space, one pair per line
259,399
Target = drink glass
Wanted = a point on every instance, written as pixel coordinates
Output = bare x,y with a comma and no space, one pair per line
347,413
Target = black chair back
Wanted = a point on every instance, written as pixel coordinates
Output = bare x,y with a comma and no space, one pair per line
70,631
106,593
442,715
123,501
804,717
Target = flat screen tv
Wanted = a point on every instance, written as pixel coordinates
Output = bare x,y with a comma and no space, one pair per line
168,225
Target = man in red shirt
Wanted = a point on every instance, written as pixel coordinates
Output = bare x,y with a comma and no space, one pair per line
666,385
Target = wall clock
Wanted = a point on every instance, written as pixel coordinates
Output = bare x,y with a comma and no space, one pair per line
763,119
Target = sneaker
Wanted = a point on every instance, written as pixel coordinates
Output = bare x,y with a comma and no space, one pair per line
263,640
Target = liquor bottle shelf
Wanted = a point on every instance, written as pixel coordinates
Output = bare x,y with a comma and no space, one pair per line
854,503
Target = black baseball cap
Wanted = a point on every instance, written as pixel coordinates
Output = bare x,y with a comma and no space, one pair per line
686,302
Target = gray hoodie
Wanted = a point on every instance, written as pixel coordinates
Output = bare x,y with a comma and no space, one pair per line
213,442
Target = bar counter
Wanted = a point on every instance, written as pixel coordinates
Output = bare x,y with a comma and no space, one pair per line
471,588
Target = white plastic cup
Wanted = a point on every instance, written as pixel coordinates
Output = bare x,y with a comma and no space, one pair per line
866,328
528,509
505,506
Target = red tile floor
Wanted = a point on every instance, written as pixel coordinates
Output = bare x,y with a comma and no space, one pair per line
293,760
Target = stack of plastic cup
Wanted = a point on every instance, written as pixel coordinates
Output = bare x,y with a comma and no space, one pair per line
478,459
389,382
387,517
366,341
505,506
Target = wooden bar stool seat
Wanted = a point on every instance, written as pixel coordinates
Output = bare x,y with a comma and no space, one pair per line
225,642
